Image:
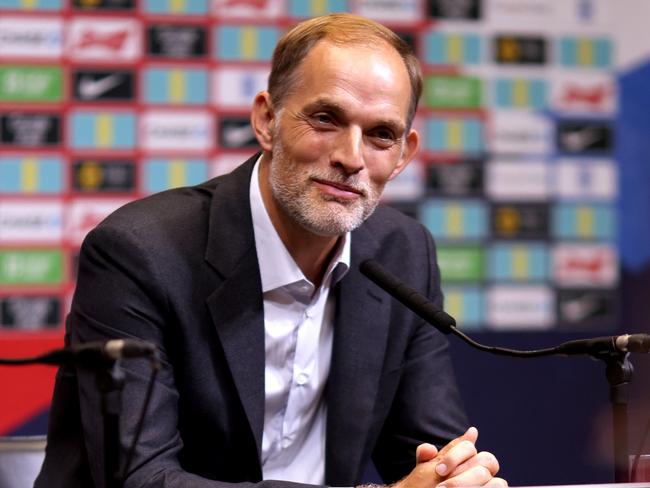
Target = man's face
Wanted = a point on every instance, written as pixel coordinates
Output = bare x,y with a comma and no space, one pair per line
340,136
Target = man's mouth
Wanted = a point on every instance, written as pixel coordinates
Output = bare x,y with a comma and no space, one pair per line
338,190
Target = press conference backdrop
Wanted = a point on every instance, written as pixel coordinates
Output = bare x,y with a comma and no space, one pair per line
532,174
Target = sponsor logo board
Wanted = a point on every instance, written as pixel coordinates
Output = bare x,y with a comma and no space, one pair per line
177,131
312,8
31,5
585,52
83,215
591,179
390,10
529,13
102,129
31,267
452,48
585,265
31,221
31,83
175,86
177,41
236,132
452,92
253,9
520,307
584,93
454,9
236,87
225,163
30,129
103,5
518,132
103,176
96,85
457,179
519,180
461,263
408,186
30,312
245,43
519,220
31,175
175,7
162,174
584,136
454,134
520,49
520,93
105,39
587,307
518,262
465,304
584,221
31,37
455,219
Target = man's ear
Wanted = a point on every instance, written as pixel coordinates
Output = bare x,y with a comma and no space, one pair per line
411,146
263,120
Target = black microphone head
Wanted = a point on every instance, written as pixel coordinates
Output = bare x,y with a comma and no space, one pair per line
413,299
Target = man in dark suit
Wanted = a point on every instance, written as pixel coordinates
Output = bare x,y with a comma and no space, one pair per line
281,362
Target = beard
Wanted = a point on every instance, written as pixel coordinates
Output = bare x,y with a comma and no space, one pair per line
325,215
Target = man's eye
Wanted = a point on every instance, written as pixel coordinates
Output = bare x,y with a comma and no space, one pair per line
323,118
384,135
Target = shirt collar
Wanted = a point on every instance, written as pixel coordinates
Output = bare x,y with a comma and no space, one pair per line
277,266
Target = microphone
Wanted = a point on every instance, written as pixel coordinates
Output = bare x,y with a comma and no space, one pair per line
411,298
93,353
613,344
445,323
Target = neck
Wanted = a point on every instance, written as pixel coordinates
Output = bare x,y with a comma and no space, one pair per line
311,252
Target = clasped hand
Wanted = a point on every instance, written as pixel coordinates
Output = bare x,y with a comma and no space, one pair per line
457,464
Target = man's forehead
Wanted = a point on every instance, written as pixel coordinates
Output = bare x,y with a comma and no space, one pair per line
377,68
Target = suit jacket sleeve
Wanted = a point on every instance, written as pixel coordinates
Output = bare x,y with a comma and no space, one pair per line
119,295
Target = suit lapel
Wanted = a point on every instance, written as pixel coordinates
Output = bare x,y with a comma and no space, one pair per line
236,305
360,335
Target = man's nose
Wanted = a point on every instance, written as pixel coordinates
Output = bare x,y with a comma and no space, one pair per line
347,152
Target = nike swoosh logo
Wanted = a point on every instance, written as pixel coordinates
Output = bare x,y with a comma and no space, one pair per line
237,136
579,309
90,89
579,140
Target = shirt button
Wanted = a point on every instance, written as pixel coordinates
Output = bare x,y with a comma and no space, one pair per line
302,379
286,442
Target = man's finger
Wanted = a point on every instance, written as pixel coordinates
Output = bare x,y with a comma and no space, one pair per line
497,483
476,476
425,452
483,458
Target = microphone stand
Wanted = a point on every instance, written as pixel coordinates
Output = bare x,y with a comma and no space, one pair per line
618,370
110,379
110,383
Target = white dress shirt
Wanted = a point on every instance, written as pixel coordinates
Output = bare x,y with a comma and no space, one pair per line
298,326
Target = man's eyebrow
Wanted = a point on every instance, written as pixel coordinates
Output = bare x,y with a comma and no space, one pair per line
325,104
337,109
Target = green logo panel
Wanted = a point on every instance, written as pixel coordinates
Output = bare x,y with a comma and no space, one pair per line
31,83
31,267
452,92
464,264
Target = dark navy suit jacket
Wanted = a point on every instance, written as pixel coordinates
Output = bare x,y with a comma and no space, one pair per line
179,269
